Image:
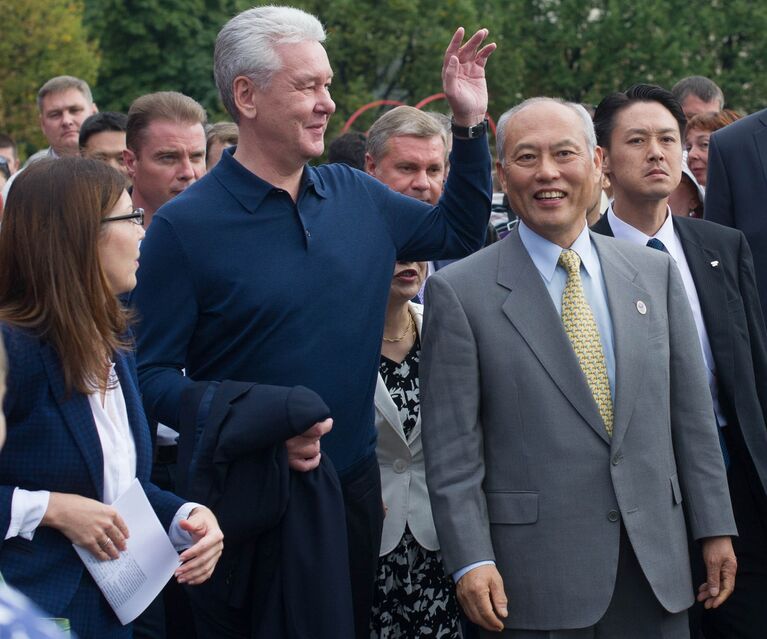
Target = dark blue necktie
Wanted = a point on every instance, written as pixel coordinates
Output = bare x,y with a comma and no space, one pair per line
655,243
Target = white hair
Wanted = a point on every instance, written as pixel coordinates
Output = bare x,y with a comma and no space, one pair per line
245,46
583,115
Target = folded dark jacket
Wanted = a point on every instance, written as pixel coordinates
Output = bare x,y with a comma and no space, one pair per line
285,548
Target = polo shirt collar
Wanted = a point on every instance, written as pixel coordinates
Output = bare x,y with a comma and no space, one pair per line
249,189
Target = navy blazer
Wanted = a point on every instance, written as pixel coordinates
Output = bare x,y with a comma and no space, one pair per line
52,444
736,188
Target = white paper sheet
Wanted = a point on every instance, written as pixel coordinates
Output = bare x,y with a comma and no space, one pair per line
131,582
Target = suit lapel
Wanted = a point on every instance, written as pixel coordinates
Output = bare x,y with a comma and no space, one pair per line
388,409
712,295
78,417
629,330
385,404
529,308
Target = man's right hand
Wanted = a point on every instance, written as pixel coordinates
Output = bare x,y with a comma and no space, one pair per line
304,449
481,595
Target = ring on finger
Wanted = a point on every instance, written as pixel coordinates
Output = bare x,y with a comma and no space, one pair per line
105,543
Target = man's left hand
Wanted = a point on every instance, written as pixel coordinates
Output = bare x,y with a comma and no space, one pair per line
463,77
199,561
721,567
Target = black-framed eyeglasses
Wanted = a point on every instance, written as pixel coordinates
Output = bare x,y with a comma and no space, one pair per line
136,216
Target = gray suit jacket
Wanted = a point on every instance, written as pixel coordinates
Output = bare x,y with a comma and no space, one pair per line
403,474
519,466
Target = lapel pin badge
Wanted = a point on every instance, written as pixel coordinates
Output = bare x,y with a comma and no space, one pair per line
715,263
641,307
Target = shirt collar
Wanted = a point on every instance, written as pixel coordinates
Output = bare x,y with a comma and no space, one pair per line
624,231
249,189
545,254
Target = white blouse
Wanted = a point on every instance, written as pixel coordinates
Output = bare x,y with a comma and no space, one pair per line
119,454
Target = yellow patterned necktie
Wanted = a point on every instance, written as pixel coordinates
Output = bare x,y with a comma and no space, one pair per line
582,330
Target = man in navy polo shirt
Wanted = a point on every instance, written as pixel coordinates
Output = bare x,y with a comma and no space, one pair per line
273,271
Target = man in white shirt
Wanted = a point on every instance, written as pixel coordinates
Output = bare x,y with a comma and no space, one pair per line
640,131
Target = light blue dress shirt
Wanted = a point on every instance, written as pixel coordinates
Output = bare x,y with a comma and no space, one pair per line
545,256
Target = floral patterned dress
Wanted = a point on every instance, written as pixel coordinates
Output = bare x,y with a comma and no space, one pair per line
414,597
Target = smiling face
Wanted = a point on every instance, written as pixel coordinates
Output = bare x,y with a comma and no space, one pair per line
644,158
61,116
290,116
171,158
696,142
119,247
547,172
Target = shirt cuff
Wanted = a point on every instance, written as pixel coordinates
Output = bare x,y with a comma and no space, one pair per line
460,573
179,537
27,510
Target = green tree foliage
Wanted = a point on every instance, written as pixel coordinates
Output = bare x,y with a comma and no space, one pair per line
582,51
390,49
40,39
157,45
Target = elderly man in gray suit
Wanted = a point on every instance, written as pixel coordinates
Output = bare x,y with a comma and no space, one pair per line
567,425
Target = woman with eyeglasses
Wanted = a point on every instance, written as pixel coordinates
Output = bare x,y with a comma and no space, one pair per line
77,435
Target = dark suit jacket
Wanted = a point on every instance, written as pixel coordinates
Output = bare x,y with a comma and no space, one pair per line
286,555
723,271
53,445
736,187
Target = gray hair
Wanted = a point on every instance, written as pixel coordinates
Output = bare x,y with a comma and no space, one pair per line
403,120
701,87
62,83
245,46
579,109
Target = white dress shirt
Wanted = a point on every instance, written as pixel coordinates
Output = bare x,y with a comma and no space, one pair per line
119,454
667,235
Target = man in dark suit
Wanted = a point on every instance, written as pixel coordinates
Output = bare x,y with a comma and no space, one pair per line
736,190
640,133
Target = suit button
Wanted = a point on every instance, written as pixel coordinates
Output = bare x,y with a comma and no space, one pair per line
399,465
613,515
617,459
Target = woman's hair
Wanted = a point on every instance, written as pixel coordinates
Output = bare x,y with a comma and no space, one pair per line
712,121
51,278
